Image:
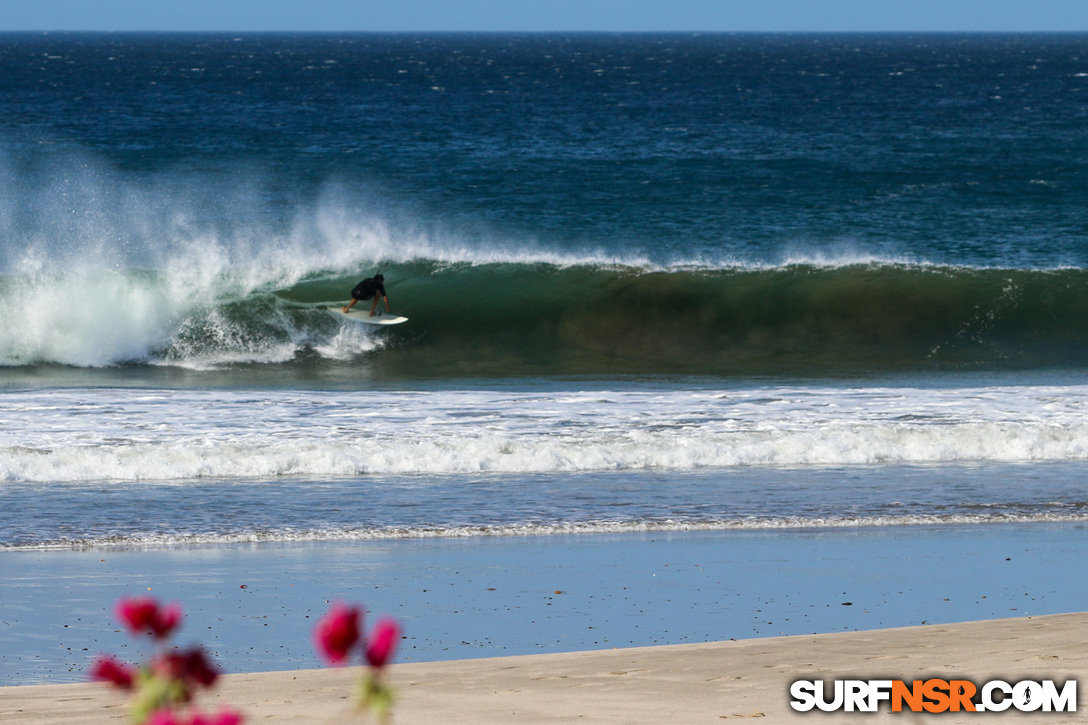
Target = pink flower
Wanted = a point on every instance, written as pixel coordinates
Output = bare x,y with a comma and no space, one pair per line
142,615
199,668
338,632
164,717
136,612
225,716
186,666
382,643
109,669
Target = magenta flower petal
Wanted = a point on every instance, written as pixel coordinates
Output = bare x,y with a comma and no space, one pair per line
167,619
382,643
337,632
225,716
164,717
142,615
199,668
136,613
109,669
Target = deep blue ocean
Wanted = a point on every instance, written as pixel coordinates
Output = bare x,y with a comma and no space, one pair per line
654,282
617,253
541,205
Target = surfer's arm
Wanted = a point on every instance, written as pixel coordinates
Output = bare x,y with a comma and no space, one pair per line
374,305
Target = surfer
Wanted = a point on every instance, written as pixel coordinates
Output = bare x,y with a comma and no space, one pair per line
370,288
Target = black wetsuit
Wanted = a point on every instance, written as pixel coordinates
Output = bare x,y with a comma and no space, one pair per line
366,289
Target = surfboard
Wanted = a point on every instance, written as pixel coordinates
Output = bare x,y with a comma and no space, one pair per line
379,318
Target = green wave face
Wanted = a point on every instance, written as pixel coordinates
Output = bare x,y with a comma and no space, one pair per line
517,318
512,318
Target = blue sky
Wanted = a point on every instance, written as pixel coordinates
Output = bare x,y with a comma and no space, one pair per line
547,15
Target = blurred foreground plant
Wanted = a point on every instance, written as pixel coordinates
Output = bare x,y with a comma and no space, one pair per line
163,688
340,631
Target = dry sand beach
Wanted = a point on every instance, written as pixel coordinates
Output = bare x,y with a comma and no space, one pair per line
697,683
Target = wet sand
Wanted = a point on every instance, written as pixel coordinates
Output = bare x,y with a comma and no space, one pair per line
254,607
697,683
